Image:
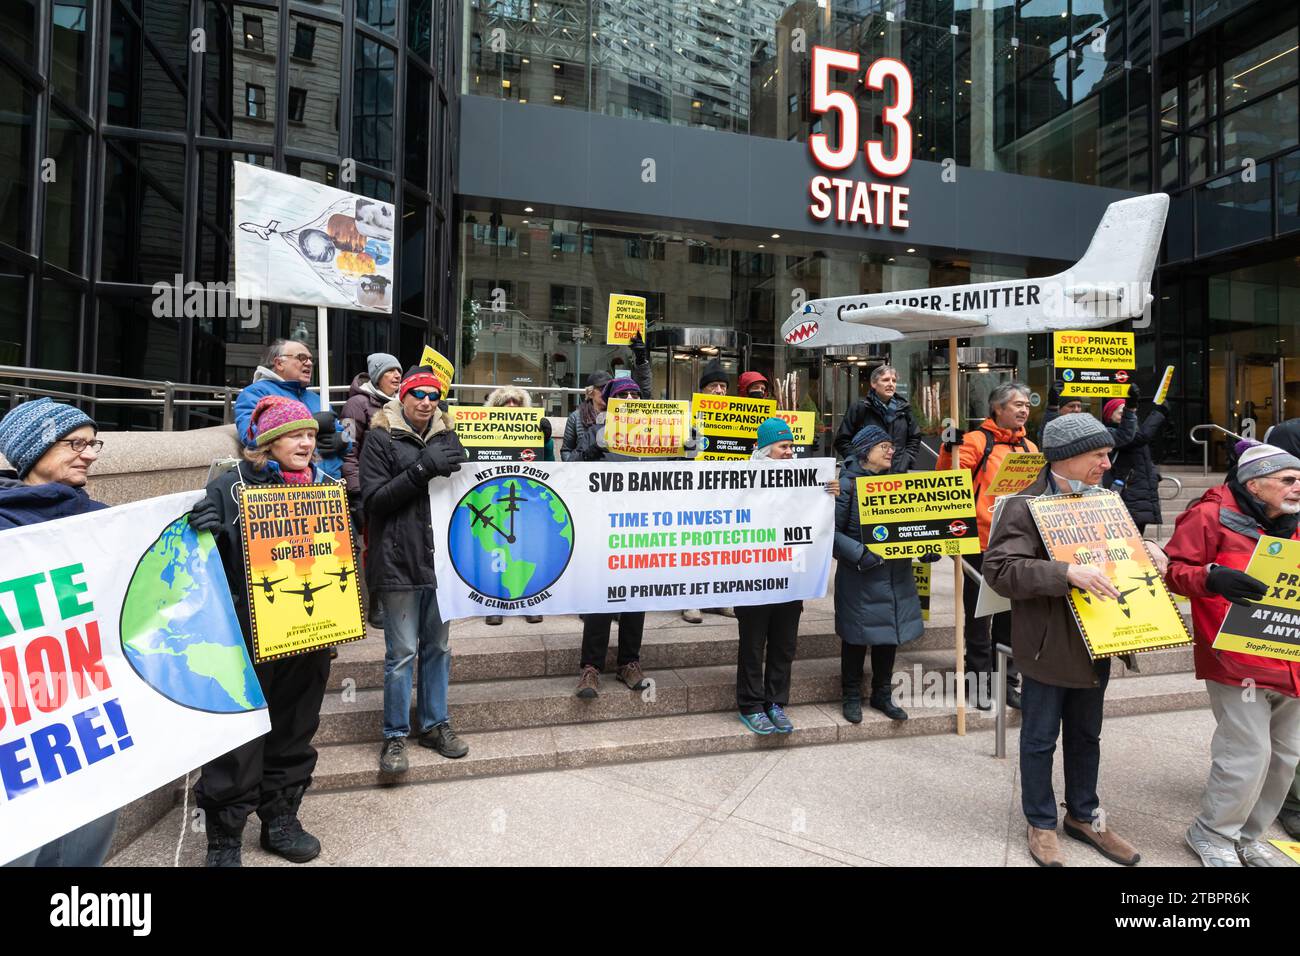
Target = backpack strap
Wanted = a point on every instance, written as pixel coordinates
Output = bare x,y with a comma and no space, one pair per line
989,442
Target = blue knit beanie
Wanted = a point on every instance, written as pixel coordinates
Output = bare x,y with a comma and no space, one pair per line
29,430
867,439
772,431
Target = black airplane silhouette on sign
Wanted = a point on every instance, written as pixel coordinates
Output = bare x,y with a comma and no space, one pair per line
511,501
1149,578
343,577
1122,600
267,591
307,593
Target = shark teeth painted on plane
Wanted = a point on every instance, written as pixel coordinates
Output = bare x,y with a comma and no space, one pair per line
1110,283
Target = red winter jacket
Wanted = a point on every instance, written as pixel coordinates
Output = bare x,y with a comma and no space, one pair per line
1216,531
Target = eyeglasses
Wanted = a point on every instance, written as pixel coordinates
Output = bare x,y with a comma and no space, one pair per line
1289,480
421,395
303,358
81,444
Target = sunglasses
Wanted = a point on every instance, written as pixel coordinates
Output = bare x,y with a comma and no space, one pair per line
422,394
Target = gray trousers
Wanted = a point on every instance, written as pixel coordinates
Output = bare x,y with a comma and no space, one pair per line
1253,758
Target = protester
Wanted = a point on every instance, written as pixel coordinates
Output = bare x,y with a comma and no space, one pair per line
286,370
1064,689
370,391
511,397
1286,436
50,448
412,441
583,419
876,604
754,385
595,627
1132,463
713,381
981,452
269,774
886,409
1056,407
1256,744
763,692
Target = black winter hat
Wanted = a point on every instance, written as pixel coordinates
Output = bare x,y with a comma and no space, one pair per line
712,373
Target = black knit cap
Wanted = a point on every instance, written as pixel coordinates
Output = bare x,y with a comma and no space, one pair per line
712,373
598,378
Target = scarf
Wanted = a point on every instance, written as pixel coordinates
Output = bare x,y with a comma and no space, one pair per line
1283,526
587,413
887,411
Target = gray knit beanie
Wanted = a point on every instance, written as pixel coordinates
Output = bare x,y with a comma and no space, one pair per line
1070,435
379,363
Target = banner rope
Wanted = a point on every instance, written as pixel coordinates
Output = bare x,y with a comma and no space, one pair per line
185,819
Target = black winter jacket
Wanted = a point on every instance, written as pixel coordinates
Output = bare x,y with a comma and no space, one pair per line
399,526
903,430
1132,463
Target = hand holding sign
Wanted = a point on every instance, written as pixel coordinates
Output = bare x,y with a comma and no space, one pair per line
1093,580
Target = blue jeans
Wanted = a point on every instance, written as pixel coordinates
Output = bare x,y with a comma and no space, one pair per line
412,624
1074,714
85,846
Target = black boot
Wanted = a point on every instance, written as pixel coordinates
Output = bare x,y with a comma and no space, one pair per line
282,834
224,842
852,706
883,701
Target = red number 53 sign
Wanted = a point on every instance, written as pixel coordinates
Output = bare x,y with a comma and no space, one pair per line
848,200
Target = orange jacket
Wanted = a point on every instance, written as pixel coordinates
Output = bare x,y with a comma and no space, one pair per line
969,453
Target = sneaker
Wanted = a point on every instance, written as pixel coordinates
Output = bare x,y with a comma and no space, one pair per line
693,616
758,723
724,611
1259,853
444,740
492,619
1290,820
533,618
631,675
392,758
588,682
780,721
1213,851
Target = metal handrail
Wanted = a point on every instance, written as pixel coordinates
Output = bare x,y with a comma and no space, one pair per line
1178,488
1205,443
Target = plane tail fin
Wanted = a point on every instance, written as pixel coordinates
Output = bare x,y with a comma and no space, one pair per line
1127,242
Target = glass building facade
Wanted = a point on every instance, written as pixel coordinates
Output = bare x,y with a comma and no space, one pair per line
120,121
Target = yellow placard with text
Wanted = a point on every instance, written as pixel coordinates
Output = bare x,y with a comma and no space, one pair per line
1290,847
626,318
1094,364
497,433
1019,470
1269,627
301,568
906,516
645,428
728,424
1096,530
1165,381
439,363
921,575
803,425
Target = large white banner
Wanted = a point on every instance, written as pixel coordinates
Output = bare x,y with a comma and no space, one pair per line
557,538
302,242
123,665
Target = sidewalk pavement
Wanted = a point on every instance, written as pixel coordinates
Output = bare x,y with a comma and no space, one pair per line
912,801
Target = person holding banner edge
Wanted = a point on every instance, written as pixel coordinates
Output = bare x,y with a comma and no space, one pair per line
876,605
51,448
713,381
886,409
580,429
1064,690
272,773
412,441
1256,700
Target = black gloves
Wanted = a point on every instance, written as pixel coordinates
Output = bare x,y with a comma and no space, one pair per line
930,557
546,428
1237,586
328,442
869,561
205,516
957,434
593,452
640,351
439,462
1134,393
1054,394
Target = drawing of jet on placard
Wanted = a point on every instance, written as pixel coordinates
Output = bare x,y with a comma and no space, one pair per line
1112,282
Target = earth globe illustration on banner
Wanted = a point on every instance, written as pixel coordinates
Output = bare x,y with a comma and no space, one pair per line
179,630
510,537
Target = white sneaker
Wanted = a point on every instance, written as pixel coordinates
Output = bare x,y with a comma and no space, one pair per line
1259,853
1213,851
693,616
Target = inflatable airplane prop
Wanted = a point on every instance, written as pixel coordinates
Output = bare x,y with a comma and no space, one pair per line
1112,282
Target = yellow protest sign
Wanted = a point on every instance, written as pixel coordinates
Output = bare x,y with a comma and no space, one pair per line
728,424
921,575
1095,529
301,568
803,428
1019,470
1271,626
906,516
626,318
647,429
1094,364
498,433
439,363
1290,847
1165,381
